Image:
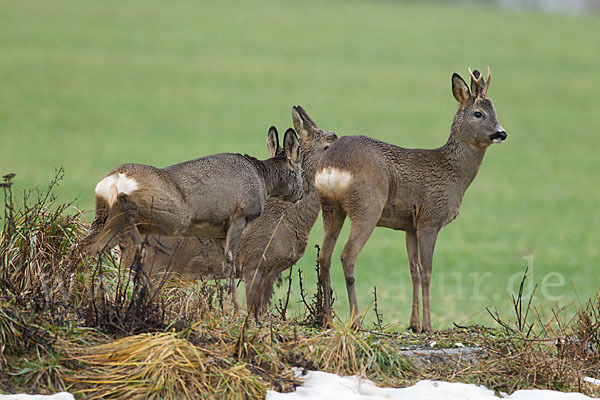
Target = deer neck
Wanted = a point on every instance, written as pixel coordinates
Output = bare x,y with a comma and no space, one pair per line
463,157
309,169
269,171
307,209
264,171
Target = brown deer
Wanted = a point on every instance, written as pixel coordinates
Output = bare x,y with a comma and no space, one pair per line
213,196
269,244
418,191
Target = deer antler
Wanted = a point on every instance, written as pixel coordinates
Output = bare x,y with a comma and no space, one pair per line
487,81
479,83
473,76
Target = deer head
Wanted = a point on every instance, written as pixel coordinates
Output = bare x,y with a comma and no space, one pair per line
475,121
311,136
289,186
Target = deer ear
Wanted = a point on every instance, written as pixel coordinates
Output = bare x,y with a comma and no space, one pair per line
273,141
304,125
291,146
460,89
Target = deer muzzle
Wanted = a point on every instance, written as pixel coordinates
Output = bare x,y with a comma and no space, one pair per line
498,137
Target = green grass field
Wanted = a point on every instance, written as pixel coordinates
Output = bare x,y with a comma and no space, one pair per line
90,85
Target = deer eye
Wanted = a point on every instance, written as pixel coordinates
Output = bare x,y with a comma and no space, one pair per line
477,114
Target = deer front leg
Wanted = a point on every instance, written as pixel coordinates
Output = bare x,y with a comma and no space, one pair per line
253,285
412,250
232,241
267,289
333,220
259,288
426,239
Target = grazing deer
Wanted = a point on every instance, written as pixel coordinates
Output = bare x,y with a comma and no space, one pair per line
271,243
418,191
213,196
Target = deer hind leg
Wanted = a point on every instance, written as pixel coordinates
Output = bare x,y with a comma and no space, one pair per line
362,227
232,241
111,225
426,240
333,220
132,236
412,249
131,220
93,241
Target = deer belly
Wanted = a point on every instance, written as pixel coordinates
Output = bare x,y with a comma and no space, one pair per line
396,218
206,229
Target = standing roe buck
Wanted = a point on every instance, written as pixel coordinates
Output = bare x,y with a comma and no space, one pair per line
415,190
269,244
213,196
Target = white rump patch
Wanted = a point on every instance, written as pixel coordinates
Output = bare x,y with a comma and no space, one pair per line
332,181
111,186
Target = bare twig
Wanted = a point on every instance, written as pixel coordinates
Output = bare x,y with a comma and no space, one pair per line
379,323
282,308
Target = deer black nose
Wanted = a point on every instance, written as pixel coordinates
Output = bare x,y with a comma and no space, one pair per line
498,137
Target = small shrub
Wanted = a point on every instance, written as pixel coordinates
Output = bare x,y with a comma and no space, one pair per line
36,244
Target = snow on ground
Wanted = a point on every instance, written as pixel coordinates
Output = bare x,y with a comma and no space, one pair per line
593,381
324,386
58,396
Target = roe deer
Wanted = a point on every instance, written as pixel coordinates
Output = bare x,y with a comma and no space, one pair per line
415,190
288,223
213,196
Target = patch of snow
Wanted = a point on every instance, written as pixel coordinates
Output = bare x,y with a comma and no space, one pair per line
57,396
545,395
324,386
591,380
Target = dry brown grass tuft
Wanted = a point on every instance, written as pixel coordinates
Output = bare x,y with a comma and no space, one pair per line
186,300
161,366
11,330
348,352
